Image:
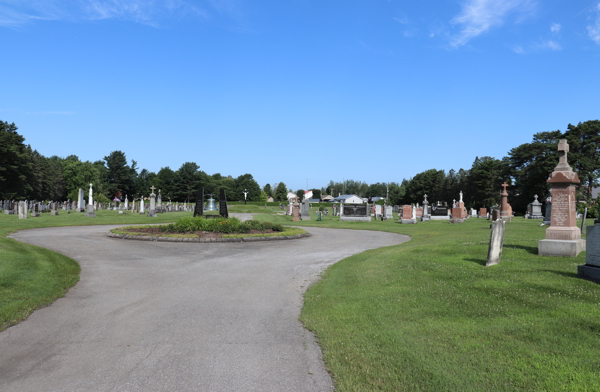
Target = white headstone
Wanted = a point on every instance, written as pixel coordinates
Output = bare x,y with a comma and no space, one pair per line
496,242
80,201
90,196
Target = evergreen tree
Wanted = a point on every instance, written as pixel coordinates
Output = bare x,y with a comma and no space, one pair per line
584,153
15,164
281,193
246,182
187,179
118,175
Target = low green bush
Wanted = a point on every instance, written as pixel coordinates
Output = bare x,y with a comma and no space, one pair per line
218,225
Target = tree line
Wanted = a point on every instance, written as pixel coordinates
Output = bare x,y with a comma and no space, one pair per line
25,173
525,169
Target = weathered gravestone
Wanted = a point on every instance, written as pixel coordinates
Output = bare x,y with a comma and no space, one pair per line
22,210
295,212
563,238
7,207
495,214
36,211
496,243
80,201
54,210
483,212
591,268
426,210
388,213
305,210
152,209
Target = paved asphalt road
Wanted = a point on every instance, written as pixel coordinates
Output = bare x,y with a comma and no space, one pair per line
156,316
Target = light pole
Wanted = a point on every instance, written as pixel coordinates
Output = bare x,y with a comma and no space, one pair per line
245,195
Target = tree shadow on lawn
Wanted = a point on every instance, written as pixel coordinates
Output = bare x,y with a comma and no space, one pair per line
478,261
531,249
563,273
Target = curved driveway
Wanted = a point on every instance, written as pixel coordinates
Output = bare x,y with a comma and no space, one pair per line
159,316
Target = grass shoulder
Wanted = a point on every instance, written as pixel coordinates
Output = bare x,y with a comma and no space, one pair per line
32,277
428,314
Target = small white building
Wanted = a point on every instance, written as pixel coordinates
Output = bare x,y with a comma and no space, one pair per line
308,195
348,199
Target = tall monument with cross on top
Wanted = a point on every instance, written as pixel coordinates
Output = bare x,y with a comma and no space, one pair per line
563,237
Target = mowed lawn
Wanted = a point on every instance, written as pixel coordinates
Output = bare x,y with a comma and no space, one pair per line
32,277
427,315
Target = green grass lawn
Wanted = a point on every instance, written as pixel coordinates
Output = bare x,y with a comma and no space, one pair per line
254,209
32,277
428,315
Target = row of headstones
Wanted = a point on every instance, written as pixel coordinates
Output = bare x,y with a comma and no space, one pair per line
26,207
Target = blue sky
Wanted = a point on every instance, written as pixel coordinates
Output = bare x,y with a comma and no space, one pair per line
374,91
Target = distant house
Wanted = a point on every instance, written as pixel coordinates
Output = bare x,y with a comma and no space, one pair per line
327,198
308,194
374,199
270,200
291,195
350,199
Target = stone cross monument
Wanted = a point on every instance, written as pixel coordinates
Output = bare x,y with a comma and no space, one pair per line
563,238
152,210
505,213
90,196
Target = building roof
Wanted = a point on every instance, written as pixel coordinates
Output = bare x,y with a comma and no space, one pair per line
342,198
595,192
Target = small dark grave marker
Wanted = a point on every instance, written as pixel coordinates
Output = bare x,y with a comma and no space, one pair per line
199,209
223,204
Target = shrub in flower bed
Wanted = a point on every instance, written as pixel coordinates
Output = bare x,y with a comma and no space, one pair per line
218,225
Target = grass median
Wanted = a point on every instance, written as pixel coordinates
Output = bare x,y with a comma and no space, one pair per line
32,277
427,315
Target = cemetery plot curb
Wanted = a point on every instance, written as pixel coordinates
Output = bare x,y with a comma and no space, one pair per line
175,239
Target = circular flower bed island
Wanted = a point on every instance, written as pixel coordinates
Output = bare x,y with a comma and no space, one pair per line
200,229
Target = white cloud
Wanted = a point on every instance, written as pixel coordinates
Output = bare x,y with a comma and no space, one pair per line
552,45
402,20
479,16
14,13
518,49
555,28
594,29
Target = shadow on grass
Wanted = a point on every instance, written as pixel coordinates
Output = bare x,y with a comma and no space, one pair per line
478,261
563,273
531,249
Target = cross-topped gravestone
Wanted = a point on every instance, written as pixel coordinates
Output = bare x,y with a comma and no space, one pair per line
563,238
563,149
505,214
